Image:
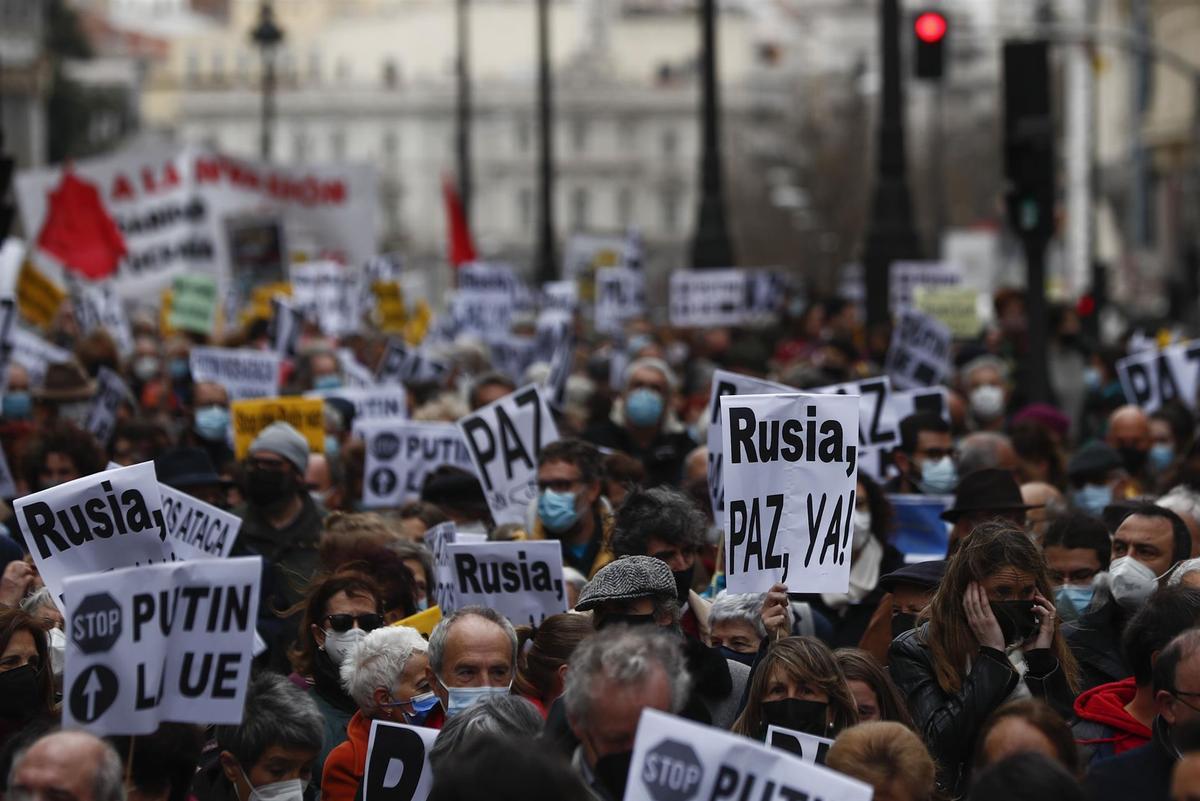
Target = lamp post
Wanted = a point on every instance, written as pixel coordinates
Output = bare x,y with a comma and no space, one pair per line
267,36
891,235
463,108
546,268
711,245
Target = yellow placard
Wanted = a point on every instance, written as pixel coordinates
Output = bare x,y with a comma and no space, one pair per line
38,298
259,305
390,310
423,622
954,306
306,415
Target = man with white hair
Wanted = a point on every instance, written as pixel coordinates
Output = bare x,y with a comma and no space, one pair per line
386,676
67,765
645,426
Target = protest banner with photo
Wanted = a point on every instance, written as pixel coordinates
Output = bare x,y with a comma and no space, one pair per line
370,403
906,276
521,580
327,293
99,522
243,372
704,298
790,484
1150,378
504,439
111,392
159,643
809,747
397,766
956,307
919,355
35,354
404,364
249,417
195,529
194,302
676,760
401,454
38,298
620,297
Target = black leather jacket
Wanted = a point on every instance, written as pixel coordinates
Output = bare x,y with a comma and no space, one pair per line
949,722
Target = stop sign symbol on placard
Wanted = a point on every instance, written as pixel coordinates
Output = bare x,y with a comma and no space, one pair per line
672,772
96,624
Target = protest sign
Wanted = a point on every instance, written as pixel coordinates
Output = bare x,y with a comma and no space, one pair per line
194,304
159,643
520,580
809,747
424,621
504,439
701,298
1151,378
677,760
243,372
484,313
111,392
8,487
397,767
512,354
562,361
953,306
327,293
586,256
401,454
439,539
38,298
35,354
306,415
560,296
391,312
8,324
620,297
195,529
918,529
790,484
404,364
906,276
99,522
98,307
553,328
919,355
355,374
370,403
285,327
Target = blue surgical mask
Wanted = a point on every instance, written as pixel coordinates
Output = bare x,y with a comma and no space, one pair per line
1091,378
423,603
1092,498
212,422
17,405
330,381
421,705
644,407
1070,601
1160,456
463,698
178,368
332,446
939,477
557,510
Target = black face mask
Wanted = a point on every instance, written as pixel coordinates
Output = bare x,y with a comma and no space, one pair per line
267,488
737,656
20,698
1134,460
624,620
902,622
683,582
612,772
797,715
1016,618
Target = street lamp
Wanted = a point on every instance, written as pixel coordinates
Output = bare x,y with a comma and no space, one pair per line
547,270
711,246
463,108
267,36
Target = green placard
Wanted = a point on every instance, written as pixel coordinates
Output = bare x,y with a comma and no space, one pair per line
954,306
193,303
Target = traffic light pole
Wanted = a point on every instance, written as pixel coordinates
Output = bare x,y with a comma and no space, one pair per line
1036,381
711,245
546,267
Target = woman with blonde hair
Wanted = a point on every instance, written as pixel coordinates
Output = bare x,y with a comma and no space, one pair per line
889,757
799,686
989,636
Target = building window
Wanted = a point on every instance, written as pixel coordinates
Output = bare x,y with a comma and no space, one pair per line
670,142
580,202
525,204
579,135
524,135
624,207
337,145
670,211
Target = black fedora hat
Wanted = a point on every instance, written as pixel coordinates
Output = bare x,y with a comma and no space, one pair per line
921,574
186,467
988,490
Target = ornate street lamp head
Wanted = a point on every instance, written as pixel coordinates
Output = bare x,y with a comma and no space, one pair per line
266,33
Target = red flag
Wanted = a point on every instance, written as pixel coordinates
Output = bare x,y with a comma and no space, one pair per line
462,249
78,230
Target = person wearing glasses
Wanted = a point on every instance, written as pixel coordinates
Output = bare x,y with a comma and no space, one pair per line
570,507
340,610
282,524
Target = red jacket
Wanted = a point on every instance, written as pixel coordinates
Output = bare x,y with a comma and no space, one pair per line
345,765
1105,705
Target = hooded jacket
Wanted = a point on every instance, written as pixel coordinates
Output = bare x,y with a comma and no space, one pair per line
1103,728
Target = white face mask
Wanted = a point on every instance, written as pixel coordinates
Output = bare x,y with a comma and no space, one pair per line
1131,582
339,645
862,528
290,790
987,401
58,648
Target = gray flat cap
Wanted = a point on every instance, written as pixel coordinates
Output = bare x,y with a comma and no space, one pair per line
627,578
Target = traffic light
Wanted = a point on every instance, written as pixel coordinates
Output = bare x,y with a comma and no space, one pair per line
1029,139
930,29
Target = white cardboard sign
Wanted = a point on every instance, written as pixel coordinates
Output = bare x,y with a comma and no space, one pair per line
401,454
160,643
1153,377
97,306
906,276
404,364
809,747
370,403
328,293
195,529
504,439
521,580
35,354
790,483
919,355
397,767
675,758
103,521
701,298
245,373
111,391
438,539
8,486
620,297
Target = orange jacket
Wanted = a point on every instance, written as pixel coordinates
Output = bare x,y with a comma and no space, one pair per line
345,765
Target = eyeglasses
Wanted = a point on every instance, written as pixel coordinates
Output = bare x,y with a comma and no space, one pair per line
1182,695
343,623
559,484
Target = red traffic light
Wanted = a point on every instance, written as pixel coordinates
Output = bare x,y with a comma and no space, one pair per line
930,27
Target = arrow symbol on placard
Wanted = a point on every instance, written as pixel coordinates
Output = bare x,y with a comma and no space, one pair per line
93,689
